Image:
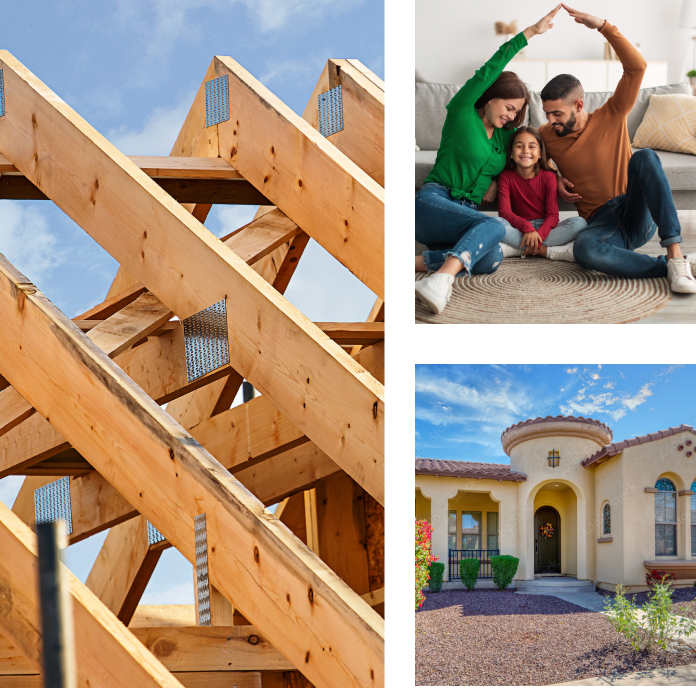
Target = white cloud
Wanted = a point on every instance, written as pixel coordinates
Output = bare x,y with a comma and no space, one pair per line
610,385
571,371
594,376
640,398
26,240
157,135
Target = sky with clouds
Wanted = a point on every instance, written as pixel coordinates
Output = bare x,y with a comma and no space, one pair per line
461,410
131,69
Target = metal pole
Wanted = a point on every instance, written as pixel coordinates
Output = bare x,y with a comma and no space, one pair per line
248,391
56,609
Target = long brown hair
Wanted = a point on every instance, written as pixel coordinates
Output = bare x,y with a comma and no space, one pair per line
507,86
541,163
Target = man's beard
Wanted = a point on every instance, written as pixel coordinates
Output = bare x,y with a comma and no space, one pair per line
567,127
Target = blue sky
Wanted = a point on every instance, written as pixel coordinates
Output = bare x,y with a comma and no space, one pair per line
461,410
131,69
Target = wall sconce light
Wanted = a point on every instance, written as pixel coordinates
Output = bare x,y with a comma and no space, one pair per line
554,458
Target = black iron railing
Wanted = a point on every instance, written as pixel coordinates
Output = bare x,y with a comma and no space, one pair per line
456,555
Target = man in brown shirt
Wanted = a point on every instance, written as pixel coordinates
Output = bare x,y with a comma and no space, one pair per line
624,197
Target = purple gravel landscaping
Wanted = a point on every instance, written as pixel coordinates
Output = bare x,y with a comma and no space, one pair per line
683,600
494,638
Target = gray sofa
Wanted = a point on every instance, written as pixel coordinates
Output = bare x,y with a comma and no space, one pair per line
431,100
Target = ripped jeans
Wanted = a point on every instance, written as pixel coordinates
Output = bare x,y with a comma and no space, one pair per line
451,227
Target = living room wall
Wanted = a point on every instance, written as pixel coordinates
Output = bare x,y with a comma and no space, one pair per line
453,38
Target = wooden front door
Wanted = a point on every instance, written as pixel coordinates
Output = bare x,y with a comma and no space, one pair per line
547,550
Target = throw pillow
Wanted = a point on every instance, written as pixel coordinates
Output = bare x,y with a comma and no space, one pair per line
669,124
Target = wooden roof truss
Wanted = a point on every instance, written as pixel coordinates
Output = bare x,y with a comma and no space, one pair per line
294,597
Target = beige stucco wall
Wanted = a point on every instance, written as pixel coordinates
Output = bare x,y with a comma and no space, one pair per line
441,489
530,457
620,481
637,468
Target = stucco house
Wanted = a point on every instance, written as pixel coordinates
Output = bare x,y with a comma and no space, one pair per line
571,502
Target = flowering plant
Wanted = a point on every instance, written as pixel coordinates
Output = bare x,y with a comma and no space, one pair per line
655,577
546,530
424,557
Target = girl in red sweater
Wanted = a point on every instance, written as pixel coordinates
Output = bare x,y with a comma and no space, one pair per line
528,205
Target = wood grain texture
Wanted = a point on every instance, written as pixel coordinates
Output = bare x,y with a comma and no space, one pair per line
169,478
105,650
304,175
167,250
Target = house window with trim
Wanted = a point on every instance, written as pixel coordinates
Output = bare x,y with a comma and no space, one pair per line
471,530
665,518
452,529
606,517
492,529
693,519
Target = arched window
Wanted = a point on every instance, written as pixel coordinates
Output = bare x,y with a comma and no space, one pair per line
607,519
665,518
693,519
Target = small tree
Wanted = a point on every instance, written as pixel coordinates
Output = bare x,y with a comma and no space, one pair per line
424,556
437,572
658,625
469,571
504,569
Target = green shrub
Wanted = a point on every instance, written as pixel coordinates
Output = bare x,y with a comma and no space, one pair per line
658,625
437,571
469,571
691,72
504,569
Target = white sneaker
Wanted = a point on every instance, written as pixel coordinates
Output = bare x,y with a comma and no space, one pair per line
691,259
434,291
680,275
564,252
511,251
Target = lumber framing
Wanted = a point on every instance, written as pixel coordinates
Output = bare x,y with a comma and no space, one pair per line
170,478
105,649
299,171
201,271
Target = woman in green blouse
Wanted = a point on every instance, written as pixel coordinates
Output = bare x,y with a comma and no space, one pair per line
481,118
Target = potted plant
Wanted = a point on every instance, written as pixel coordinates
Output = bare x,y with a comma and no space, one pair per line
692,78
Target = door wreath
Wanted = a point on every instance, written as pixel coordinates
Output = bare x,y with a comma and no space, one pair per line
546,530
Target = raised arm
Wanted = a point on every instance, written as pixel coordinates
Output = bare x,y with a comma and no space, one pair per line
486,75
634,64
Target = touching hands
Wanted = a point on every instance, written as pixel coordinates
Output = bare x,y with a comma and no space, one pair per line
532,241
492,192
543,25
564,193
586,19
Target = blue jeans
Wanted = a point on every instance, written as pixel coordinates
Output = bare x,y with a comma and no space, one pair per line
563,233
627,222
451,227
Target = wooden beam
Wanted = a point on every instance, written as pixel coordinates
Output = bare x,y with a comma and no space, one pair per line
304,175
363,333
105,649
169,478
311,527
160,615
341,407
123,568
224,192
374,598
188,679
113,335
362,92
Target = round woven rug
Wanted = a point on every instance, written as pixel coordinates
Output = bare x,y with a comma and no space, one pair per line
548,291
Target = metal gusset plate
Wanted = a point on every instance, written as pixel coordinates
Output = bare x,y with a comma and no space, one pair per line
52,503
331,111
2,95
153,535
217,101
205,339
202,584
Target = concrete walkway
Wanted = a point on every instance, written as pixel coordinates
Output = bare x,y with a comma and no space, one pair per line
589,600
669,676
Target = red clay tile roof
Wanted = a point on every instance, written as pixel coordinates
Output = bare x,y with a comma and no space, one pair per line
468,469
613,449
551,419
